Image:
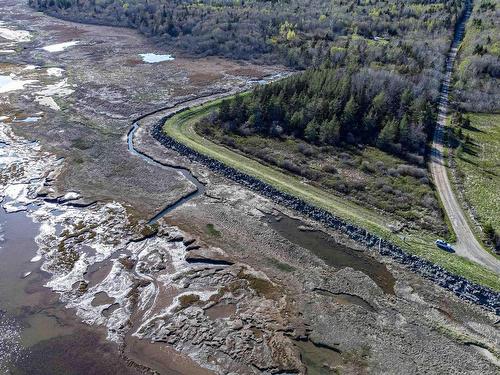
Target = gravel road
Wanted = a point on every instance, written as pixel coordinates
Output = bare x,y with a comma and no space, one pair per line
467,244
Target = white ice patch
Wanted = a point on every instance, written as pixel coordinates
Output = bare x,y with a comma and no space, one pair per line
18,194
71,239
60,89
152,58
117,284
168,311
29,119
59,47
7,51
15,35
71,195
148,294
47,101
56,72
12,208
64,282
10,83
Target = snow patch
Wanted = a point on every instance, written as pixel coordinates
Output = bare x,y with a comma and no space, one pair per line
56,72
15,35
10,83
18,194
60,89
47,101
64,282
71,195
29,119
59,47
152,58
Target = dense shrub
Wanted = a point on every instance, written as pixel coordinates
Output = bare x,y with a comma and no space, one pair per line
376,65
410,170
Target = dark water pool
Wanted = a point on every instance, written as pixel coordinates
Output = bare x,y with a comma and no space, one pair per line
330,251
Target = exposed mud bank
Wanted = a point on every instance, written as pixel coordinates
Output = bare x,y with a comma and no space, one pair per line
463,288
148,283
199,188
224,293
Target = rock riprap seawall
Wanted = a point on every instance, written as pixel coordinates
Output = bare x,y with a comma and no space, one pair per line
462,287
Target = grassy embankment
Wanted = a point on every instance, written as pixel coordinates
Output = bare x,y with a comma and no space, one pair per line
363,175
478,167
181,128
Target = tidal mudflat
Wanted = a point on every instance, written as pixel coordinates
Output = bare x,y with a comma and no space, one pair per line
210,287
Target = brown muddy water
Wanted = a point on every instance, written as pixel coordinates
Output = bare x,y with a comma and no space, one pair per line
346,299
331,252
102,298
162,357
319,360
221,311
45,338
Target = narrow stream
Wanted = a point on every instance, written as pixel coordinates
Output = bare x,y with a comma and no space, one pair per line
186,173
200,188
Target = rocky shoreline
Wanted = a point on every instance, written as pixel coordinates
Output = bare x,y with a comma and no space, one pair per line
460,286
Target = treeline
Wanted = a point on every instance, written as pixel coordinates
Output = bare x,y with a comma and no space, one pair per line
297,33
476,86
412,35
376,65
335,105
